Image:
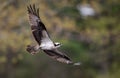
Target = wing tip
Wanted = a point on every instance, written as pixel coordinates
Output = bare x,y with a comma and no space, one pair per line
32,9
77,63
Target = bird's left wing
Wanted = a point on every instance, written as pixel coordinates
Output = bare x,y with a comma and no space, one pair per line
59,56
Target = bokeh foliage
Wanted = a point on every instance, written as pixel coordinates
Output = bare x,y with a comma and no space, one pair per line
94,41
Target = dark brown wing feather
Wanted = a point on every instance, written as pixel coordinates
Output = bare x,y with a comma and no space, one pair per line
59,56
37,26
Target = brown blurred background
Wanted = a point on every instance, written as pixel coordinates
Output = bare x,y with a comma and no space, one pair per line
88,29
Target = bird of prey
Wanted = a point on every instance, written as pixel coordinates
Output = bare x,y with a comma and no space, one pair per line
42,37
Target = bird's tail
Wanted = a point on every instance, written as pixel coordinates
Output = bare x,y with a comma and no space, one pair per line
32,49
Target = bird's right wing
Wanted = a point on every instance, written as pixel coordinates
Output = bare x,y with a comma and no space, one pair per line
38,28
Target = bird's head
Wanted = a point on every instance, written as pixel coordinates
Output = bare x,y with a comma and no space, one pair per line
57,44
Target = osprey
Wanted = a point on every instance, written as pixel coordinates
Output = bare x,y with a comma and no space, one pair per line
42,37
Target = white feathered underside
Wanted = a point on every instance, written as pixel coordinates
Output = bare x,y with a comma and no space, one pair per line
46,42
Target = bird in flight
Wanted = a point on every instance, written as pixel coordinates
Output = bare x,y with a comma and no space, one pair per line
43,39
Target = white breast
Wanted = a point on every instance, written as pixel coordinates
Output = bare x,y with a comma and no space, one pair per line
46,43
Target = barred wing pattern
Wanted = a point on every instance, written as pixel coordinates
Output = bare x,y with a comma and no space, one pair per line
37,27
59,56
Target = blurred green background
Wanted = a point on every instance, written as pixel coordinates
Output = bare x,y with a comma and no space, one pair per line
94,40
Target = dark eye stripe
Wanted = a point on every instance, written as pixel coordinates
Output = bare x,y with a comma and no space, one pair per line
56,44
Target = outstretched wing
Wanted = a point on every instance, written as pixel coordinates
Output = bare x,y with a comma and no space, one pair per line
38,28
59,56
